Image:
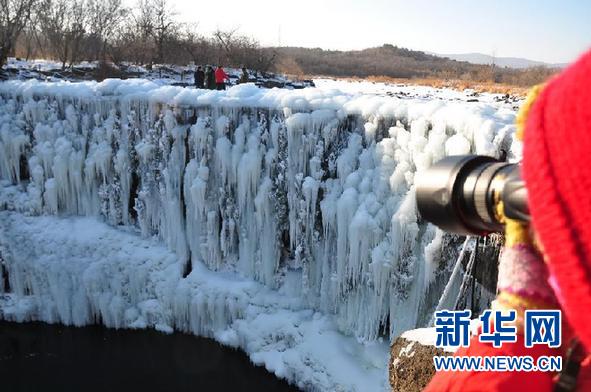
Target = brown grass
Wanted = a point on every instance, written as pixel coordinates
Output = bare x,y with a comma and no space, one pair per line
457,84
454,84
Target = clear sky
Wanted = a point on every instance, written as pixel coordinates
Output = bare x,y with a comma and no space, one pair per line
554,31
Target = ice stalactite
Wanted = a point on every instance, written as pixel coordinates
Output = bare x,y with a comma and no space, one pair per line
311,187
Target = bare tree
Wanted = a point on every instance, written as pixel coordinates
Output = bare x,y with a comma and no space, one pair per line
242,50
133,40
63,24
29,43
165,27
14,16
265,59
124,42
200,49
157,26
226,41
103,18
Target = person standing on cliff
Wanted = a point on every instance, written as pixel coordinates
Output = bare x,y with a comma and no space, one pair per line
209,78
220,78
199,77
545,267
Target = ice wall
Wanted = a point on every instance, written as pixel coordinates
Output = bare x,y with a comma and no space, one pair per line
261,182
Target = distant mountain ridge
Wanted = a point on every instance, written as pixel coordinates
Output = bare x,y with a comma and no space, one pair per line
396,62
511,62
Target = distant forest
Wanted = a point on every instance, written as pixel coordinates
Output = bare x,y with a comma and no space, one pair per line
395,62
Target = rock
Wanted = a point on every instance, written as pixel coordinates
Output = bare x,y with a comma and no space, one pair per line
411,364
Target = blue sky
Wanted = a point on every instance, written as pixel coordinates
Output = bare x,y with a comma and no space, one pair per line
546,30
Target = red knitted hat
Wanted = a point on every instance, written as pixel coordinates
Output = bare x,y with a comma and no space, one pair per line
557,173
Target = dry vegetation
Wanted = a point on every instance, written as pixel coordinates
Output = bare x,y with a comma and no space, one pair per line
399,65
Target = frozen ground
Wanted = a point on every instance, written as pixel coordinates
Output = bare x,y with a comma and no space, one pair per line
409,91
292,211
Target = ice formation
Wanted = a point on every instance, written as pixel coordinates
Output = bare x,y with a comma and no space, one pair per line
310,188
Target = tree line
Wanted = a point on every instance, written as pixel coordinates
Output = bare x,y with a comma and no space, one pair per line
147,33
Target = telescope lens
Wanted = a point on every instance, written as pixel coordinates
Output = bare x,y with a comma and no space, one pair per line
458,193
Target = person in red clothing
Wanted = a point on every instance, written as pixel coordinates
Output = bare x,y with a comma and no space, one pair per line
220,78
547,265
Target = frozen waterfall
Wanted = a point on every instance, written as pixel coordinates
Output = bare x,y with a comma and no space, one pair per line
269,184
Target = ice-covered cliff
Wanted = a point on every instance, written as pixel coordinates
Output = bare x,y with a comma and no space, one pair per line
307,192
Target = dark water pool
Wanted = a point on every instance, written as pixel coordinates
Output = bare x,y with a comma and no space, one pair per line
43,357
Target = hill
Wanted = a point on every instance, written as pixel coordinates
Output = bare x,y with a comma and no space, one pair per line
395,62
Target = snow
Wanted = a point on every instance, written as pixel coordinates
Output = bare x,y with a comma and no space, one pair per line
292,211
428,336
326,104
425,337
407,91
82,270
